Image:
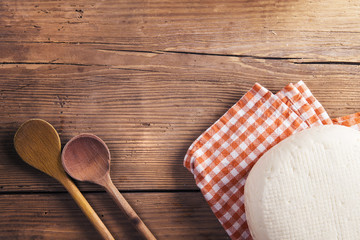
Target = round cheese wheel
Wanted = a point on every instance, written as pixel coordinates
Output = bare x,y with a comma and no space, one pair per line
307,187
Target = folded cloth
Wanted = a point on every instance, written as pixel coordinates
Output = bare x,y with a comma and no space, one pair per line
221,157
352,120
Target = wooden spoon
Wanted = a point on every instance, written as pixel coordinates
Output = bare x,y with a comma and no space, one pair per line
38,144
87,158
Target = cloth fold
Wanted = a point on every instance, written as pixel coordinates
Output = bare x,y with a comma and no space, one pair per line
221,157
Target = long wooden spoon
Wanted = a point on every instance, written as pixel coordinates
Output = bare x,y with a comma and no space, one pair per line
38,144
87,158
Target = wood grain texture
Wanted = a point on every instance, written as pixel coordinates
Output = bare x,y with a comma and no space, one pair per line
322,30
148,77
148,119
180,215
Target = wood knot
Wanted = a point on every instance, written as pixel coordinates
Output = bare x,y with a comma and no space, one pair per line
135,220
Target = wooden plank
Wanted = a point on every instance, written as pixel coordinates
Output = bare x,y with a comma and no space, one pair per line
310,30
148,109
176,215
181,77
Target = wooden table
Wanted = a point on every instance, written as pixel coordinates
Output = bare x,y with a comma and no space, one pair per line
148,77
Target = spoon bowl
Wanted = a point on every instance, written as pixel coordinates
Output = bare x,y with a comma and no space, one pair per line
38,144
86,158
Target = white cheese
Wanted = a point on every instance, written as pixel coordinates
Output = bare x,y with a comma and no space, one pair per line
307,187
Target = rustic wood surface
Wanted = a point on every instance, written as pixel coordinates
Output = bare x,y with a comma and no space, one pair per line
148,77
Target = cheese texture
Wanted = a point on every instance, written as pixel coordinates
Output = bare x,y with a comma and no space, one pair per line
307,187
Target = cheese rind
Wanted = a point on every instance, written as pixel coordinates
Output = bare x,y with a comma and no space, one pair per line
307,187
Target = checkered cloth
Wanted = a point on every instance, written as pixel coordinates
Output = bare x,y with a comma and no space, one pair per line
222,156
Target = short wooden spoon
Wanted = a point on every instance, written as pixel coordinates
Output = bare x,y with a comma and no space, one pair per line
38,144
87,158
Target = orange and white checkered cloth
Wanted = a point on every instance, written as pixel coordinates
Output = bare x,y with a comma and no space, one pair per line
222,156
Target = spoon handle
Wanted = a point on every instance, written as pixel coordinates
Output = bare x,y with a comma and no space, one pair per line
127,209
87,209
